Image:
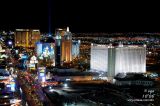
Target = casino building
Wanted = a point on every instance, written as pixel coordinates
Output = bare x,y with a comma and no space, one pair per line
26,38
66,49
118,59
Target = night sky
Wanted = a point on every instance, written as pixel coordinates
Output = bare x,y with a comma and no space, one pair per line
80,16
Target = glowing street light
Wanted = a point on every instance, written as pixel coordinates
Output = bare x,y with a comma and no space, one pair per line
50,87
65,85
10,42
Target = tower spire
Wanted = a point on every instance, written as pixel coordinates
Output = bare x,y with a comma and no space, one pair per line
67,29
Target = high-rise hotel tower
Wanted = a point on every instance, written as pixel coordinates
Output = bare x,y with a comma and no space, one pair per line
66,49
63,46
26,37
118,59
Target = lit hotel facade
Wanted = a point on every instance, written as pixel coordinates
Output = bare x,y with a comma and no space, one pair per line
66,48
26,37
118,59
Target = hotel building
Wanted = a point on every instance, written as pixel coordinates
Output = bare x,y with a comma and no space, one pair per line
26,37
75,48
63,46
118,59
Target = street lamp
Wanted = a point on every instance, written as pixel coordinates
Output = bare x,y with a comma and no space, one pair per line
65,85
10,43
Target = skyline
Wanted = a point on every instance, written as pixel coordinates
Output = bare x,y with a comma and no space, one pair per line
97,60
79,15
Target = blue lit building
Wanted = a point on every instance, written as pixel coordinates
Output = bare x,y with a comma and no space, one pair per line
75,48
46,50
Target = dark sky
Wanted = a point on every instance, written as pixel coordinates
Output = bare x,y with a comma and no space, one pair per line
80,15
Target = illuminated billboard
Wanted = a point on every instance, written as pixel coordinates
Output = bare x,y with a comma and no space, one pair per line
11,86
41,74
46,51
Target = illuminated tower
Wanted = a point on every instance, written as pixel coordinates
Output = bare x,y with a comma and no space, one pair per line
75,48
66,50
58,48
26,37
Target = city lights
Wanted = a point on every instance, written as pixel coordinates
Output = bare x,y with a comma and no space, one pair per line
79,53
78,68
